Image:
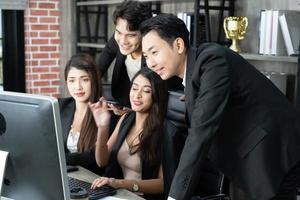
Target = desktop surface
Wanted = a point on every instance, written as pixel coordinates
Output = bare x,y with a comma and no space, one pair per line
88,176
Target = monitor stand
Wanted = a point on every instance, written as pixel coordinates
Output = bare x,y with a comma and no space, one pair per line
3,158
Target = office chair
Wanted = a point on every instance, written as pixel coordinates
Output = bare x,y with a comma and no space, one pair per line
213,185
297,103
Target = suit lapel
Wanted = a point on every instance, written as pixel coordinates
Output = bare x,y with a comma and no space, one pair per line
68,116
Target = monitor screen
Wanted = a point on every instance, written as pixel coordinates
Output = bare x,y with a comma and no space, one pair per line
31,133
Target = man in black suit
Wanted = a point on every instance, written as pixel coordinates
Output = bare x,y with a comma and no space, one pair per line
237,118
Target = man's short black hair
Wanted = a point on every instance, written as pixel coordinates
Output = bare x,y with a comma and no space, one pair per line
133,12
168,27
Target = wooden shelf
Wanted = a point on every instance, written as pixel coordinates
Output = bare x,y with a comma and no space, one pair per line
91,45
250,56
107,2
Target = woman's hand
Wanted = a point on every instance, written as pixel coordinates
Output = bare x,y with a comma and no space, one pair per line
105,181
118,110
101,113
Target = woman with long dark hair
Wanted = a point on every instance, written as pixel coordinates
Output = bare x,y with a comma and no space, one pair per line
132,155
79,128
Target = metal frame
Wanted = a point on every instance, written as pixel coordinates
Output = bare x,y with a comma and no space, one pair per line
13,50
206,8
90,42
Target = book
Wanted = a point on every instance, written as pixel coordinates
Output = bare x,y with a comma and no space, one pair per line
262,32
268,32
188,19
277,44
290,27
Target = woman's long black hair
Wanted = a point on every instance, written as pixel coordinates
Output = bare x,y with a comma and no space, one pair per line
153,125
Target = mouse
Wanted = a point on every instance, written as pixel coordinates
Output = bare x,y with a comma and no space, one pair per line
78,193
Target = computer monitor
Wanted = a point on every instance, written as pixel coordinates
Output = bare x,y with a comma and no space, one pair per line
31,133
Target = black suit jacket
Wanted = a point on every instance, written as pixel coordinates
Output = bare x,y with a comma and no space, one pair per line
84,159
120,85
240,121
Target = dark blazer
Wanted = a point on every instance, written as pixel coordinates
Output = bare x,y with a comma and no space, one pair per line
84,159
120,85
149,170
240,121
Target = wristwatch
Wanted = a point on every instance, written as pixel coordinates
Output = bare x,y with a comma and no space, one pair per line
135,187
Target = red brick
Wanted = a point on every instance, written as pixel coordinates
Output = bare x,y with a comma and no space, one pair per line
48,62
33,34
33,19
31,62
29,49
39,27
48,48
55,41
32,76
32,5
48,34
34,48
55,55
54,27
41,83
27,70
55,69
39,12
40,41
40,69
57,83
54,13
33,90
49,90
43,74
40,55
47,5
49,76
47,20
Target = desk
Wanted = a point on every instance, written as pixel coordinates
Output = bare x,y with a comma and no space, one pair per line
88,176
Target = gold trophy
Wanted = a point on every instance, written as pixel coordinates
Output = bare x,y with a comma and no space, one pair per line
235,29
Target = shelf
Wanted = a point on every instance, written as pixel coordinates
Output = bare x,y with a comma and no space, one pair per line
107,2
91,45
290,59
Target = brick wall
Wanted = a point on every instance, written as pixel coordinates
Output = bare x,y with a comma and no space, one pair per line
42,47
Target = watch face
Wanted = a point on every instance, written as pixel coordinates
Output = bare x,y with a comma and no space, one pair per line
135,187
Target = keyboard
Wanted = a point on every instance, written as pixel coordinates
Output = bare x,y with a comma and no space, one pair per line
94,194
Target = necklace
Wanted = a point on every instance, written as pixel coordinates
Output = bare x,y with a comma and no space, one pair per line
132,142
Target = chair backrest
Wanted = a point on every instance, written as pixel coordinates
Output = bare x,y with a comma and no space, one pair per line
212,180
174,137
297,103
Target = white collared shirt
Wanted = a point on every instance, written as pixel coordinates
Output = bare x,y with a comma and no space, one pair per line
170,198
132,65
184,78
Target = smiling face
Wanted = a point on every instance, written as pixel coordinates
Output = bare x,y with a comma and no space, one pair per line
141,94
129,41
79,85
165,59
